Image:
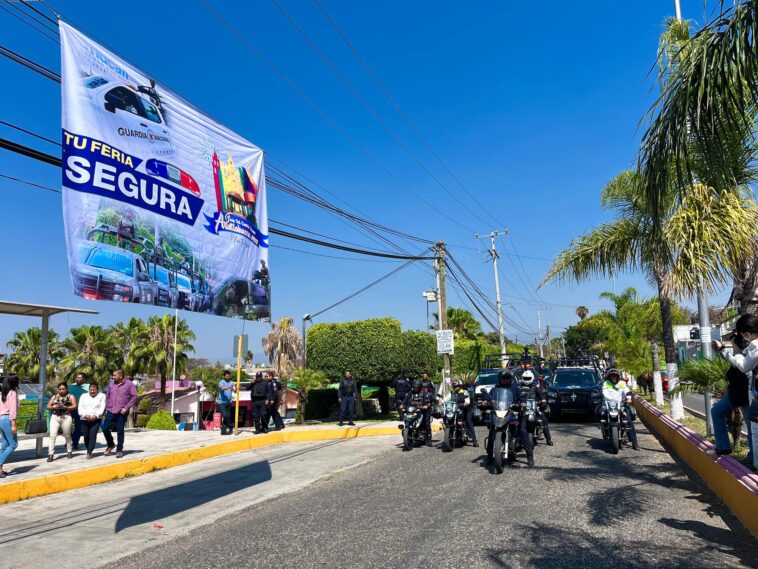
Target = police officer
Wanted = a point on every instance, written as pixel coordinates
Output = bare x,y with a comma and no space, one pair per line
422,399
402,387
505,381
530,389
464,400
346,394
260,394
273,407
428,386
613,382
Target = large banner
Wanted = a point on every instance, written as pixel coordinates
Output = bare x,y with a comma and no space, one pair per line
162,205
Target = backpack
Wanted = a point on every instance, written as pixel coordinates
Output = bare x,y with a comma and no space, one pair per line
259,389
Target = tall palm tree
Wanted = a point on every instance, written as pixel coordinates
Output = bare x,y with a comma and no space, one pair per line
157,351
248,358
283,346
703,126
582,312
24,359
670,257
129,336
91,350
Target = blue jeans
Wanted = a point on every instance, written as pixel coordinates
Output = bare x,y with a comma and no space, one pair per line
720,427
8,442
114,421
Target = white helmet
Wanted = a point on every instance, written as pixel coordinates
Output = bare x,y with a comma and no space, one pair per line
527,378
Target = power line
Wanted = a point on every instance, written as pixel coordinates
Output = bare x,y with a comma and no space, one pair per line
19,180
29,64
30,133
48,18
26,22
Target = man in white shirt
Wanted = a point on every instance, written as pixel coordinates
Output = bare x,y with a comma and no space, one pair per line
91,410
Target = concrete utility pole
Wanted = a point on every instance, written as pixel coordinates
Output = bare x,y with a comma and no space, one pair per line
547,335
494,254
707,350
539,331
439,267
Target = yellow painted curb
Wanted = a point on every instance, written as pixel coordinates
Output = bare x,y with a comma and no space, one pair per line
740,496
64,481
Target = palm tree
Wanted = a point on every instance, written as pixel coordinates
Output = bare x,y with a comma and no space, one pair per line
24,360
703,125
283,346
157,351
582,312
248,358
672,258
93,351
462,323
128,337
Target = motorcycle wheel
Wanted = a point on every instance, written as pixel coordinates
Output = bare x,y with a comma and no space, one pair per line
407,440
615,439
497,452
448,440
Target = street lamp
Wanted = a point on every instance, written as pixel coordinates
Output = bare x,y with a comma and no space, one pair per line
306,318
430,296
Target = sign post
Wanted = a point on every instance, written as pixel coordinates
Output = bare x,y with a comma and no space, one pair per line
238,349
445,342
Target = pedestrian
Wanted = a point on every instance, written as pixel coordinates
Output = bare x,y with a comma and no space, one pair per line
60,406
226,389
120,398
91,409
402,387
8,413
346,393
260,395
276,394
77,389
738,389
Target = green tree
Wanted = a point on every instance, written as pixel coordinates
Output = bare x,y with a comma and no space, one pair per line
283,346
305,380
24,359
582,312
158,349
248,358
93,351
129,336
587,336
462,323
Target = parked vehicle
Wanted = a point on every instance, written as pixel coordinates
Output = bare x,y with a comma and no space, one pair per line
186,297
613,418
105,272
504,415
168,293
413,427
574,390
454,423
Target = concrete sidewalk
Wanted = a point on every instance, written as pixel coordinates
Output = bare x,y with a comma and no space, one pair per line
147,451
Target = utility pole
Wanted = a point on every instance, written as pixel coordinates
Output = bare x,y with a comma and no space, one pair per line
549,348
494,254
707,350
439,267
539,331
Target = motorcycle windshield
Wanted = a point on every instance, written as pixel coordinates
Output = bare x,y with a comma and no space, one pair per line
501,399
450,407
531,405
613,396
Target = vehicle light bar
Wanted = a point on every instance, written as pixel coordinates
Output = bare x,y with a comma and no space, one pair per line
172,173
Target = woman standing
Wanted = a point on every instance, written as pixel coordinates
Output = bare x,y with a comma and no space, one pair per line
8,412
91,410
736,396
60,406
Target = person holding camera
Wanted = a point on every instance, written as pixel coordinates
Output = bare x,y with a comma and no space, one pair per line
60,406
738,378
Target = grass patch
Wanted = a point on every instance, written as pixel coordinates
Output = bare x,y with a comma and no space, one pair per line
698,425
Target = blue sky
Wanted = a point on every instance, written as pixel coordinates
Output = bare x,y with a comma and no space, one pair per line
533,110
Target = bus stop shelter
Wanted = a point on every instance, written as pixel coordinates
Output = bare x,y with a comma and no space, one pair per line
43,312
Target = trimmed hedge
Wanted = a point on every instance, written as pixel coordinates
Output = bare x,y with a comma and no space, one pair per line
320,402
27,409
162,421
142,421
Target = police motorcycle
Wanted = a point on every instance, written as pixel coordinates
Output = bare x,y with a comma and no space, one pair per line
533,417
504,414
454,424
613,415
413,427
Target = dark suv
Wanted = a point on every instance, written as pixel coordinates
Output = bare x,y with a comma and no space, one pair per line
574,390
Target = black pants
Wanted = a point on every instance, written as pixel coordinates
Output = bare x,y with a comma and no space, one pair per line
226,417
115,421
260,416
545,426
89,434
469,413
523,434
347,407
77,432
399,398
273,413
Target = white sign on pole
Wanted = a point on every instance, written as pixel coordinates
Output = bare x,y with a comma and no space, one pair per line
445,342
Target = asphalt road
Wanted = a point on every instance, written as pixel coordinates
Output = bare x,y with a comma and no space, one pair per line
580,507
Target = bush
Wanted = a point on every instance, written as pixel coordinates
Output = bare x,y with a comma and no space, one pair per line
142,421
162,421
27,409
145,405
320,402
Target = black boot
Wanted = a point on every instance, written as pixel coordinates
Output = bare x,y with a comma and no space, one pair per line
530,460
549,441
475,444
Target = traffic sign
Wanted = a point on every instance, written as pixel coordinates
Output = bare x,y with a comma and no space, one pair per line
445,342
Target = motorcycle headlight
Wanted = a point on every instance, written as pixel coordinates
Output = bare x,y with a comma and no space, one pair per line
614,414
500,414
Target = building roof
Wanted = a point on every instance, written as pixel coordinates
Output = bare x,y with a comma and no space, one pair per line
39,310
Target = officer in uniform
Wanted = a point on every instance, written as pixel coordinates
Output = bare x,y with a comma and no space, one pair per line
346,394
613,382
532,390
273,407
464,400
506,381
428,386
260,394
402,387
419,397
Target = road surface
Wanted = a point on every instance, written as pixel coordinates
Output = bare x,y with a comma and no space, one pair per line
580,507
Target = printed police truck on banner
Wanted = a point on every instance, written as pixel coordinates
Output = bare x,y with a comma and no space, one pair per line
95,167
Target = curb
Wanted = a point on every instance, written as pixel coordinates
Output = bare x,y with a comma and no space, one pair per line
732,482
64,481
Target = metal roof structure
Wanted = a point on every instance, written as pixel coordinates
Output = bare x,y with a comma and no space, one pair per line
38,310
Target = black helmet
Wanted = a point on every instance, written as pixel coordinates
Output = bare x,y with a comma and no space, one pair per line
457,383
505,376
416,384
611,372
